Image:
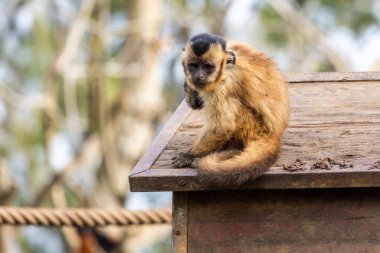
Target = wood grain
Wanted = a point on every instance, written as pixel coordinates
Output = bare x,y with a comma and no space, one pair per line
339,120
346,220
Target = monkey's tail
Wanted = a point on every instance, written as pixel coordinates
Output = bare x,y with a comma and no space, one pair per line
233,167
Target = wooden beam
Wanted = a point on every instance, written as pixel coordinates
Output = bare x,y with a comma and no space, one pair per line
162,139
332,77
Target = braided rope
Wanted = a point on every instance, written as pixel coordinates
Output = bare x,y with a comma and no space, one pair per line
81,217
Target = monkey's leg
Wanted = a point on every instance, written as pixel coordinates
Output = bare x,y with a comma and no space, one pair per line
207,142
210,141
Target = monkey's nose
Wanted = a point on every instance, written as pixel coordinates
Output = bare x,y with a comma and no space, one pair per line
200,78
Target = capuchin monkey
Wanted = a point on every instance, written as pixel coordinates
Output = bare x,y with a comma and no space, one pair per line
245,100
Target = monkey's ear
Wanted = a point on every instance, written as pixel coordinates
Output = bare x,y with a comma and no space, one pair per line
230,59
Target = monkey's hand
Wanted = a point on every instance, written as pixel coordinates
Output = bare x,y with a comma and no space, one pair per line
184,160
193,98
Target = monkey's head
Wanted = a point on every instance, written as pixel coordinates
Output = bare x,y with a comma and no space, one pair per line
205,61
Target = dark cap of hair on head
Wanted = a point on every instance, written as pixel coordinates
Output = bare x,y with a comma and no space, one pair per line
201,43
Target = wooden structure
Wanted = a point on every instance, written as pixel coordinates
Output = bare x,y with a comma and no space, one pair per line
326,201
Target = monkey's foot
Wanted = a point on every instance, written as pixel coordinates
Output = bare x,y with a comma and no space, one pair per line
183,160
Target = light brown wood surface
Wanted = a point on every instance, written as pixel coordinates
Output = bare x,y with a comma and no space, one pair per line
331,117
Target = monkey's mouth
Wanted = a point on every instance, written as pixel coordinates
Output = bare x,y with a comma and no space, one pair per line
200,84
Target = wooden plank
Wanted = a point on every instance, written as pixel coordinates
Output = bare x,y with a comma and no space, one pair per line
276,178
163,138
163,180
180,210
332,77
344,220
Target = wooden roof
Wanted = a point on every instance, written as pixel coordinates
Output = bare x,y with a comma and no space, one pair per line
333,116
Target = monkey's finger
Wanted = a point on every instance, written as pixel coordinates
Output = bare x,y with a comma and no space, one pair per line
174,162
194,164
180,163
177,164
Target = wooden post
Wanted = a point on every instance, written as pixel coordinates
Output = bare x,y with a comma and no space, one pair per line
180,218
329,202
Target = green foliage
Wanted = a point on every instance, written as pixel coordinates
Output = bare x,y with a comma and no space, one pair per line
349,17
357,14
119,6
325,66
161,247
274,26
26,136
114,87
72,199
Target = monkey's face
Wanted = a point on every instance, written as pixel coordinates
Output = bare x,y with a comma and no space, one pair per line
206,71
204,60
201,72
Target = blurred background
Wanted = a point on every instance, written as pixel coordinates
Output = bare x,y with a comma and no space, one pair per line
85,86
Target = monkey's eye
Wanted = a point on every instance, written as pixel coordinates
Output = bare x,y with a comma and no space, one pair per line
192,66
208,66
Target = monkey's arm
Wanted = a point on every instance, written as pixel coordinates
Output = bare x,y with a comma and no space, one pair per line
208,141
193,98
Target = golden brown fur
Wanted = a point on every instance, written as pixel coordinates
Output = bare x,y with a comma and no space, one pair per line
247,109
